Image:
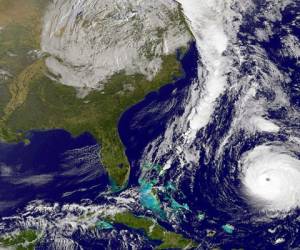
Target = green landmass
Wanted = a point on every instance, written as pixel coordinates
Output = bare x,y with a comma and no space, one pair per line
44,104
24,240
30,100
20,29
169,240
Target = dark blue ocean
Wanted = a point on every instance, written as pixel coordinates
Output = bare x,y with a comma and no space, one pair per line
57,167
212,211
216,190
138,127
54,167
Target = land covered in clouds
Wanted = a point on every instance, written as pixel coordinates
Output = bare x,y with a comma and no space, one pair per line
89,41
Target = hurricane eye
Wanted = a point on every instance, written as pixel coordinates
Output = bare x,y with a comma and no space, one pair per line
271,178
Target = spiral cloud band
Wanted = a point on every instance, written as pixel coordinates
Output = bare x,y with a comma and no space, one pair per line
271,178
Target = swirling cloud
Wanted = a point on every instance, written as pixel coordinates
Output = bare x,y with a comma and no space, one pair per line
270,176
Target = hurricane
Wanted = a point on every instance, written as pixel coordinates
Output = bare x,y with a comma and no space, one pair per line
215,155
271,175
